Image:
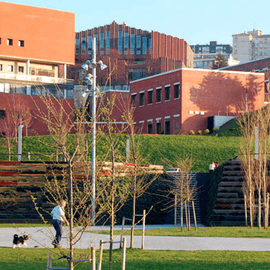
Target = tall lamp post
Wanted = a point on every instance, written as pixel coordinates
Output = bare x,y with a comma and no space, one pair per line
91,80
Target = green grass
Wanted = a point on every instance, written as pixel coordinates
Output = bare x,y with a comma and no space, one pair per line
157,148
136,259
246,232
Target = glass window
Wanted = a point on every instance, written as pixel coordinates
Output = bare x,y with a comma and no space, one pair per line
144,50
138,44
176,91
150,45
167,93
83,45
134,100
96,36
167,127
120,41
9,41
158,128
126,43
21,69
132,43
89,45
10,68
142,99
150,97
108,42
77,45
21,43
158,95
101,40
1,67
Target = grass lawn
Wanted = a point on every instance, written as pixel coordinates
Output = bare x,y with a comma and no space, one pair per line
30,259
246,232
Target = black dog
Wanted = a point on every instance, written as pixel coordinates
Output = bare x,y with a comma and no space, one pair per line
18,240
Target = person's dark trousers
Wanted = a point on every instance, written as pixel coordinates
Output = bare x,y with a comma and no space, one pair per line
57,224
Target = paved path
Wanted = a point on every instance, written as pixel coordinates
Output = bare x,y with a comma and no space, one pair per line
41,237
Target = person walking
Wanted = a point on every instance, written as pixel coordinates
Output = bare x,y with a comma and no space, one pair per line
58,217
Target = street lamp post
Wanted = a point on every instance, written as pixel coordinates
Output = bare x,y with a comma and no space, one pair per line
91,80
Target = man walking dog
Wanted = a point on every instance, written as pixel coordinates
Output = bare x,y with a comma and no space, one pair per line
58,217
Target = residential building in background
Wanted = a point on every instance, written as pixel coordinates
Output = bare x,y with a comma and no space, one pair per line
129,53
252,45
36,46
204,55
177,101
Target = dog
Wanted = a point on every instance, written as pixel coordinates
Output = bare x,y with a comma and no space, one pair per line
19,240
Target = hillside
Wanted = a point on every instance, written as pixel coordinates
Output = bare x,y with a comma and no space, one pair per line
155,148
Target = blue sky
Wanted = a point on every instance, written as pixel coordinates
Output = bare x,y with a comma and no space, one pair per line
196,21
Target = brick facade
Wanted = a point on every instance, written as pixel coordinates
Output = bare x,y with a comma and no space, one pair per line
202,93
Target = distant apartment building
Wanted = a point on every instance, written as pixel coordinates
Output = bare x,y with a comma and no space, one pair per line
204,55
129,53
31,49
252,45
36,47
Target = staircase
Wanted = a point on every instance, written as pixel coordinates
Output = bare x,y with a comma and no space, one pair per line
229,209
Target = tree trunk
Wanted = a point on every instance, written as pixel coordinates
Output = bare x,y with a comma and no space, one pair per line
71,225
133,220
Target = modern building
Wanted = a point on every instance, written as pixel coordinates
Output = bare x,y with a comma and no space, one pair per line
129,53
261,65
33,61
252,45
204,55
31,49
185,99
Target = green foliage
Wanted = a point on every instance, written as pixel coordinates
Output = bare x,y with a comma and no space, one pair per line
199,132
206,131
215,129
191,132
220,61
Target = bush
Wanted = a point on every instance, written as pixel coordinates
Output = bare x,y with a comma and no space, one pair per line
206,131
191,132
199,132
215,129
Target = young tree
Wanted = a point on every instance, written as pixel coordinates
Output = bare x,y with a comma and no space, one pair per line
220,61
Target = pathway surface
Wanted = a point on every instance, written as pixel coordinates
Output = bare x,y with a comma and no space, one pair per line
41,237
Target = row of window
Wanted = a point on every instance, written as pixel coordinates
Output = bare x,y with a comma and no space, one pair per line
135,44
156,128
150,95
10,42
10,68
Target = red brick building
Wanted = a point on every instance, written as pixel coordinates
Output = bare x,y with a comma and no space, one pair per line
183,99
130,53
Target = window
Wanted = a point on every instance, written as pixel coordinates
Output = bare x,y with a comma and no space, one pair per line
176,91
0,41
101,45
10,68
21,69
142,99
21,43
158,95
134,100
132,43
150,97
150,129
158,128
167,93
126,42
138,44
2,114
9,41
144,50
1,67
108,42
89,45
120,41
83,45
77,45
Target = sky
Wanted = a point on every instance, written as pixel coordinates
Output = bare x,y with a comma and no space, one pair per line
196,21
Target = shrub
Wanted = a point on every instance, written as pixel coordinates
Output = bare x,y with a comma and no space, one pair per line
191,132
206,131
199,132
215,129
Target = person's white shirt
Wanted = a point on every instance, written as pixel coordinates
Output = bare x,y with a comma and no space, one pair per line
58,212
211,167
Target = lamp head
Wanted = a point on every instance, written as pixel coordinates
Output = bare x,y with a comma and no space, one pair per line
102,66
